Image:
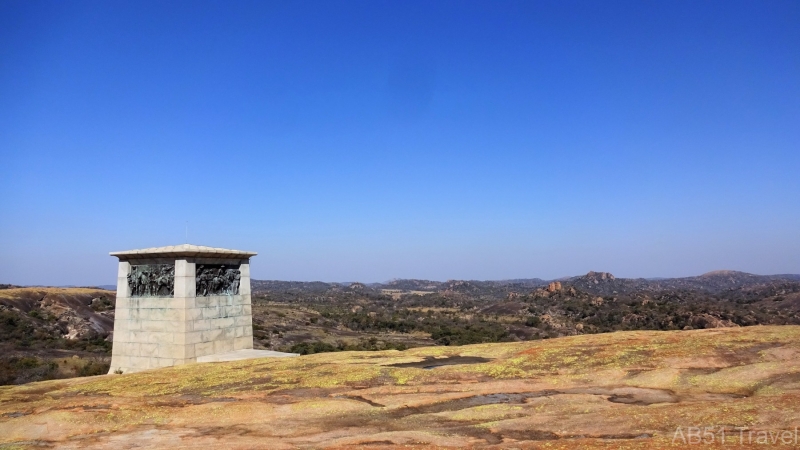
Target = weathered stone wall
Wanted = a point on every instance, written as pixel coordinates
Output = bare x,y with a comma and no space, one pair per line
152,332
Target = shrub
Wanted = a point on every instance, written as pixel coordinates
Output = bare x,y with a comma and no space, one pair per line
533,321
307,348
94,368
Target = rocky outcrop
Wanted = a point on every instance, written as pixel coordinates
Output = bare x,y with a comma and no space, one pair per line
598,277
709,321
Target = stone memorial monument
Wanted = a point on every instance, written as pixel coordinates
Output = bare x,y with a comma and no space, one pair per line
180,303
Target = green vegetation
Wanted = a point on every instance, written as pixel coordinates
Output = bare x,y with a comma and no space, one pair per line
19,331
25,369
371,344
18,370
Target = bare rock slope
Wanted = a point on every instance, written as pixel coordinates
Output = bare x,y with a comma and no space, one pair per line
625,389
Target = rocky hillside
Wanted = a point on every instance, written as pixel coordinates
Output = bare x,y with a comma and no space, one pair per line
600,283
604,283
636,390
54,333
311,317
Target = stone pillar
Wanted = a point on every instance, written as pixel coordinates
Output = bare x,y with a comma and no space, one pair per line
121,336
244,330
184,300
123,290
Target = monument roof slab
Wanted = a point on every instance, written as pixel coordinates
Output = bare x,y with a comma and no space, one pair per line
186,250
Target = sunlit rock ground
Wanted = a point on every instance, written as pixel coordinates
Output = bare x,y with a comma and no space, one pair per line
617,390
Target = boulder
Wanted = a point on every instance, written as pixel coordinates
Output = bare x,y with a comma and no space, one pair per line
709,321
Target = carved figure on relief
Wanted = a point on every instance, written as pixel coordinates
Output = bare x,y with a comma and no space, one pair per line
152,280
217,279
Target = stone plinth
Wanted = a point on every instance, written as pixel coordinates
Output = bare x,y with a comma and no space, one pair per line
176,304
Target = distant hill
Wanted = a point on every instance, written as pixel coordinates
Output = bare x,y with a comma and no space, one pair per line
717,281
108,287
602,283
409,285
290,286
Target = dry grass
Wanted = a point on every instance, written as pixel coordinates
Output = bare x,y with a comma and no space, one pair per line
15,293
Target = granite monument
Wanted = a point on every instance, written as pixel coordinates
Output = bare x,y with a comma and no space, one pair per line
180,303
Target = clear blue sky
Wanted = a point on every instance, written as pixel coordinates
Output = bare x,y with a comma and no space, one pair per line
369,140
